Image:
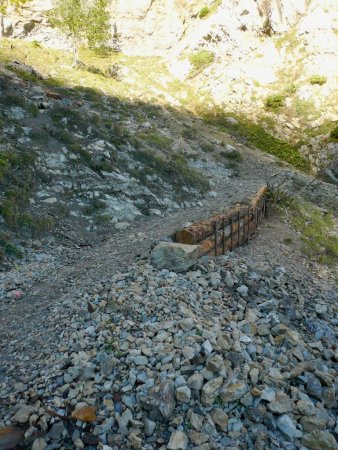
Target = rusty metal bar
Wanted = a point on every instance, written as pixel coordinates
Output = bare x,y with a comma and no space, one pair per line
239,229
249,216
232,233
215,232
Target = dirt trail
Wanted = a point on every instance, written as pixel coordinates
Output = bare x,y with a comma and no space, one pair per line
31,326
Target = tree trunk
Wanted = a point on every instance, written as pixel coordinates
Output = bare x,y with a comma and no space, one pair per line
2,25
75,55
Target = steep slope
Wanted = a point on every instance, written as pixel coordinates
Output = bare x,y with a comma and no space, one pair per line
270,61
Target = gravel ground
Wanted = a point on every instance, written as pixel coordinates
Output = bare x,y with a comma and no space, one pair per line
98,348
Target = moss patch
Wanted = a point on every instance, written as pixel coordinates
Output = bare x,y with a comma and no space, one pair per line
201,60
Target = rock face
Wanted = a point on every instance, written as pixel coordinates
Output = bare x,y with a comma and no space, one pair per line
176,257
156,27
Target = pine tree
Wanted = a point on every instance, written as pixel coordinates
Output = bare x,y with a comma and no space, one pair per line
82,23
4,7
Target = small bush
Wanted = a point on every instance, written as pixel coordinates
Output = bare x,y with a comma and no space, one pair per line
274,101
318,79
204,12
189,133
7,248
334,133
291,88
39,136
201,59
207,148
233,155
13,100
156,140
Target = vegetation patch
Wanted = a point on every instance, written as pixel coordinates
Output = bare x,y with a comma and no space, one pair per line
156,140
207,10
174,171
207,148
233,155
316,228
255,135
39,136
318,79
17,182
204,12
8,248
201,60
334,133
274,101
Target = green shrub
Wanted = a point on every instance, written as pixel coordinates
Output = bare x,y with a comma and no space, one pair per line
13,100
189,133
334,133
291,88
233,155
207,148
7,248
201,59
318,79
39,136
204,12
156,140
274,101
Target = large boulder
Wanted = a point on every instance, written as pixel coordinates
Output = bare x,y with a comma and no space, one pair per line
176,257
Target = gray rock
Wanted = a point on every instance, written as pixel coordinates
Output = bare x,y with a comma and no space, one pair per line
160,401
220,418
229,281
186,324
320,440
176,257
195,381
268,394
149,426
210,390
23,414
178,441
183,394
243,290
288,428
234,392
39,444
281,405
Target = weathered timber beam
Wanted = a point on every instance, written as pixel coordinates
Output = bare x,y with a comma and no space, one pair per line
202,230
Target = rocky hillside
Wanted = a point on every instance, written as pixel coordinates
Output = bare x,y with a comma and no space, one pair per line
270,61
101,349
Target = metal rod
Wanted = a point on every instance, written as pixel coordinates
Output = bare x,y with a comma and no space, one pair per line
248,233
232,232
215,231
239,229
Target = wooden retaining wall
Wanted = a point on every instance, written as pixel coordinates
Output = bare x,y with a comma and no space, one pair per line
229,230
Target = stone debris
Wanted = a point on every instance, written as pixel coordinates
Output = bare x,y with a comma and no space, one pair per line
218,357
173,256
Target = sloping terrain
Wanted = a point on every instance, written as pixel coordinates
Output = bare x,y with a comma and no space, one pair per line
270,62
98,348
